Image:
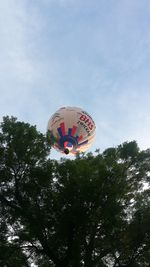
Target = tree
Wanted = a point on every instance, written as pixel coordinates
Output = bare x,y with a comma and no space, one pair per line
90,212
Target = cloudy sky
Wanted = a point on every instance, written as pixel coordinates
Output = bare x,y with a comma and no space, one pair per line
93,54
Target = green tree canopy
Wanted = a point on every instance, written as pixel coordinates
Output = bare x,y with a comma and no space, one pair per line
88,212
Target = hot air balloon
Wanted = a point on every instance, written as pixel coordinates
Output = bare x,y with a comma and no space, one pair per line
71,130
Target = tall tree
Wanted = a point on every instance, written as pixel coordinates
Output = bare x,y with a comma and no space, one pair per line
90,212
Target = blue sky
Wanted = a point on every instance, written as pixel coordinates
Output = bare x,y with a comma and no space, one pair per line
93,54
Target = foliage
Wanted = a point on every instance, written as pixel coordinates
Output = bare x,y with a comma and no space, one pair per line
90,212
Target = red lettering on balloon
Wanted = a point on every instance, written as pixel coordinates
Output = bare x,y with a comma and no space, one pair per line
83,117
87,121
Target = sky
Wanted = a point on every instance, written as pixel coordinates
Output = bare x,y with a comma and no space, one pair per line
93,54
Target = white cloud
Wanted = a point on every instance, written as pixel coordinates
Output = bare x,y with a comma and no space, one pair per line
62,3
20,27
18,68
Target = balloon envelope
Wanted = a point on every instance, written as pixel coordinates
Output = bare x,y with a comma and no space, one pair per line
71,130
